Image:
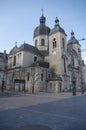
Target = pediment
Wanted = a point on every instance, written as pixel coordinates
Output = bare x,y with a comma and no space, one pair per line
14,50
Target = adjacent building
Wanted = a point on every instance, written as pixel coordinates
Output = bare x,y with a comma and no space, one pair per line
3,68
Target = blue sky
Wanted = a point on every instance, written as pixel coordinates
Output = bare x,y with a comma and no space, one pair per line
18,19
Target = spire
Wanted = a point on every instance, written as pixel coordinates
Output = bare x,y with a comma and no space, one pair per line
42,18
56,22
42,12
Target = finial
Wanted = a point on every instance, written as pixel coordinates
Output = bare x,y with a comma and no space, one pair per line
42,12
72,33
16,44
42,18
56,22
24,42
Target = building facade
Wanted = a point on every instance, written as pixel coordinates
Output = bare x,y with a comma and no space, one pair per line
3,68
53,64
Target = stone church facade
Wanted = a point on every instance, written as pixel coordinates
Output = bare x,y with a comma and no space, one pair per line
53,64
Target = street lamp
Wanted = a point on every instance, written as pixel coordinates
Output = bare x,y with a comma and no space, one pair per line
81,39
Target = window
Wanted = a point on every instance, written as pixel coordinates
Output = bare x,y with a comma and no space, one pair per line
79,50
28,76
63,43
54,43
35,58
42,42
42,77
14,62
72,60
35,43
64,66
48,76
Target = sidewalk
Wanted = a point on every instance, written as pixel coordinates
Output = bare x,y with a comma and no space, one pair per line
47,94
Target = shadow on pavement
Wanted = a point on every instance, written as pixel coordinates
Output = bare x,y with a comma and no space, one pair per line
66,114
34,127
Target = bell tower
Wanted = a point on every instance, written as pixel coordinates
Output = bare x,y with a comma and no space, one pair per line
41,35
58,49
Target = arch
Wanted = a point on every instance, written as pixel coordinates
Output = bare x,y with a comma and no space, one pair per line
54,42
63,42
42,42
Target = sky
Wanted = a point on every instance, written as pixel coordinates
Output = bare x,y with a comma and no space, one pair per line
19,18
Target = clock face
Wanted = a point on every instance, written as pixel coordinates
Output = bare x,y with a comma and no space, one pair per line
54,52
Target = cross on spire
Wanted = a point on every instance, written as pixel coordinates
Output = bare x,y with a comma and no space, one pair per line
42,11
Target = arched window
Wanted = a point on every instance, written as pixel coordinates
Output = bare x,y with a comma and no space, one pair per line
64,66
63,43
35,58
54,43
14,62
28,76
42,42
42,77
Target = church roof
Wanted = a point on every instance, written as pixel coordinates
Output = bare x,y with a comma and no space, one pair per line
57,28
73,40
42,29
26,47
41,64
2,55
30,48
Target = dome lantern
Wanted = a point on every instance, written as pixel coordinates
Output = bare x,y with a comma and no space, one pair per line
56,22
42,18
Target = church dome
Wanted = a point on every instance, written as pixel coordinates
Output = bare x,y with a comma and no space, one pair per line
73,40
42,29
57,28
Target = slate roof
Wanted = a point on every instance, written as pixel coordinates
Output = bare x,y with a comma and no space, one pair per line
30,48
2,55
73,40
42,29
41,64
57,29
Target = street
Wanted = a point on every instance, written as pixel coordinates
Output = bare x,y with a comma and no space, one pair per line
55,111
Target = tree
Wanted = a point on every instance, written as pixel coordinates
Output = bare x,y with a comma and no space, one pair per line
34,78
53,72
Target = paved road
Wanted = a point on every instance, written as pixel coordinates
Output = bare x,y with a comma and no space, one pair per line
55,111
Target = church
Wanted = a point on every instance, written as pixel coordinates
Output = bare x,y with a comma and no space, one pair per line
53,64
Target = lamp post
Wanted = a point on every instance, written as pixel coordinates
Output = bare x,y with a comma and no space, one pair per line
73,83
